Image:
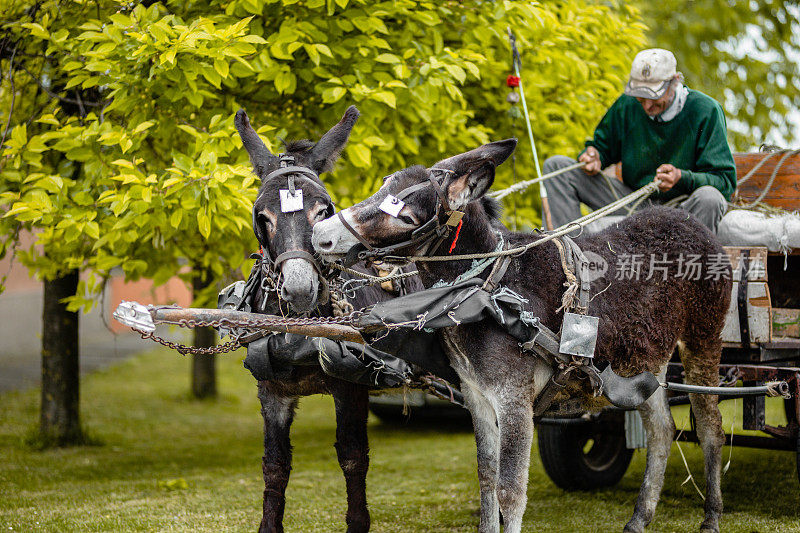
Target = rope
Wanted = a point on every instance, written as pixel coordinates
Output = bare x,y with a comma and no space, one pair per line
645,191
786,155
373,280
568,298
522,185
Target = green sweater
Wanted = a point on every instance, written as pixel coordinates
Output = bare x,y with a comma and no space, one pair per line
694,141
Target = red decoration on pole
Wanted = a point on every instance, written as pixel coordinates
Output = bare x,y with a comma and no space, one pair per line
512,81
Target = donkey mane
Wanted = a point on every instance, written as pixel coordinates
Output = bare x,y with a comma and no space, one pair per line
492,207
300,145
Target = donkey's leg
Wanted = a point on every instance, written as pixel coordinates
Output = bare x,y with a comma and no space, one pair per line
515,417
352,449
660,429
487,439
278,413
701,361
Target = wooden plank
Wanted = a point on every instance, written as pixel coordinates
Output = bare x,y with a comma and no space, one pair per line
757,262
785,189
786,322
758,314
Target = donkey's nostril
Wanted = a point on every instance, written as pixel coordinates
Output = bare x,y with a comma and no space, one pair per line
286,295
325,246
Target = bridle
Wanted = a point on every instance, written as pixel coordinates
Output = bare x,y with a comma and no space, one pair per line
431,233
269,266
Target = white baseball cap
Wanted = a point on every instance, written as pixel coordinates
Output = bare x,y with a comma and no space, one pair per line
651,73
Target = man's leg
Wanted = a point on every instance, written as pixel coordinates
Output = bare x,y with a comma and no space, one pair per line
565,192
708,205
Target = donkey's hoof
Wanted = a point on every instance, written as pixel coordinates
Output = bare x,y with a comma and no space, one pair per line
634,526
710,525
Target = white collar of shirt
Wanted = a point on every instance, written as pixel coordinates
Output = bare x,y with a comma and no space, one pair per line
681,93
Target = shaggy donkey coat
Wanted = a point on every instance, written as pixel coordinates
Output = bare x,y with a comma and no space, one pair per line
642,320
279,232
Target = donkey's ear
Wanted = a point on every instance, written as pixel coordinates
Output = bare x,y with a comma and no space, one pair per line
473,171
260,156
327,150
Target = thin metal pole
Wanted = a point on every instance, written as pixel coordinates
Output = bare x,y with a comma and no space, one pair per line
548,223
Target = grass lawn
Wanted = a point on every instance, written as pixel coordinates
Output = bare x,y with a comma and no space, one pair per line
166,463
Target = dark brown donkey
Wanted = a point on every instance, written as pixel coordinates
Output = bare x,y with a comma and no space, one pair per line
285,237
642,320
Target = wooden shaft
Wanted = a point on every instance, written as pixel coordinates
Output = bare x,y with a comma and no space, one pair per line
548,222
337,332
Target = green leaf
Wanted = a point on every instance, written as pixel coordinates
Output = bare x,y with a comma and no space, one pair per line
36,30
360,155
284,82
333,94
221,67
385,97
253,39
203,224
387,58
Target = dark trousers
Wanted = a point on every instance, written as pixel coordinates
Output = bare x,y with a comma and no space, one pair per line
567,191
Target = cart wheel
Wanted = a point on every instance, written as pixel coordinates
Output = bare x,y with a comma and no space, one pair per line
389,414
584,456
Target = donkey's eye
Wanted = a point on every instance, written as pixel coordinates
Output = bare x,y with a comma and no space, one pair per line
406,220
266,222
322,214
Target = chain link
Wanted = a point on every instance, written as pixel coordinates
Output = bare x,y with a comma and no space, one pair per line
194,350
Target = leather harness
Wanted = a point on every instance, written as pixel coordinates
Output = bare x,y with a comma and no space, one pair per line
433,232
292,171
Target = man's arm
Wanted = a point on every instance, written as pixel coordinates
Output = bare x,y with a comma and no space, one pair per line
714,165
606,139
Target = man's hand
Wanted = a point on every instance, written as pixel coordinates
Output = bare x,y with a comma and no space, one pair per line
669,176
592,159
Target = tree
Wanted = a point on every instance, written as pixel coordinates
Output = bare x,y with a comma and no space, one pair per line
121,151
746,55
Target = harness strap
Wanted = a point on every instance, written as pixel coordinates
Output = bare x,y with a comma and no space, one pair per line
498,271
582,273
352,230
298,254
576,268
439,192
409,190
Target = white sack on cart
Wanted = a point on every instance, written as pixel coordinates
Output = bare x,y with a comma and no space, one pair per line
742,227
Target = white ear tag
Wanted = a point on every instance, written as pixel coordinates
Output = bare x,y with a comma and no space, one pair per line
391,205
291,202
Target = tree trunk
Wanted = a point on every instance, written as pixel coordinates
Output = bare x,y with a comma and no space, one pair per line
60,420
204,370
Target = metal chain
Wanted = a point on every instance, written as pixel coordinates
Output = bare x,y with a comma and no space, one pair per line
194,350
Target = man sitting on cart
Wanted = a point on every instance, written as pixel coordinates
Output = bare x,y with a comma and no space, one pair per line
657,128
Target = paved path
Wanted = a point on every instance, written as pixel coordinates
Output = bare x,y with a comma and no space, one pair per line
20,333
